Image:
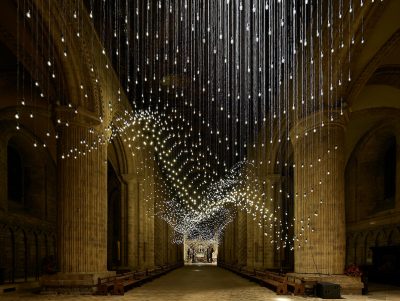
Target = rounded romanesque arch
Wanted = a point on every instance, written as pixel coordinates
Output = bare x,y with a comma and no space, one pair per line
29,169
92,176
374,160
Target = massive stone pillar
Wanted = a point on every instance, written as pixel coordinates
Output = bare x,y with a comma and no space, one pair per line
82,210
159,244
320,242
149,220
140,226
273,199
133,197
234,240
3,175
258,244
228,246
319,195
250,241
167,242
142,235
242,237
170,246
82,213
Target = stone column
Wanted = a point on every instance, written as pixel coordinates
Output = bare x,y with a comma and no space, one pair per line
242,237
166,241
229,246
3,175
149,221
158,241
250,241
140,222
124,224
132,184
397,188
258,244
221,253
171,246
234,240
142,235
82,210
276,186
273,198
319,195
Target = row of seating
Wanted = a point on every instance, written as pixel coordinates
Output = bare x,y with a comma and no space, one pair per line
279,282
120,283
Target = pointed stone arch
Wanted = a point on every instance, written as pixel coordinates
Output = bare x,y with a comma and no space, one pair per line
381,238
394,237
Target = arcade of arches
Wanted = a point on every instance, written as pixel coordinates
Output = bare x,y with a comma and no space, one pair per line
69,217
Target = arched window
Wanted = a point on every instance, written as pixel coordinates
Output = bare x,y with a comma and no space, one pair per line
15,182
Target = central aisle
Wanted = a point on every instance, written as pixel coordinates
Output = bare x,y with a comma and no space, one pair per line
197,283
200,282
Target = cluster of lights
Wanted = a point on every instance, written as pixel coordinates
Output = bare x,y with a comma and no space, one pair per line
215,87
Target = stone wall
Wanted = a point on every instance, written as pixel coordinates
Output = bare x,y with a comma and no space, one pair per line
67,209
27,226
372,217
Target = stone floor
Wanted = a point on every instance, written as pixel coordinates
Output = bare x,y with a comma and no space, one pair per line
200,283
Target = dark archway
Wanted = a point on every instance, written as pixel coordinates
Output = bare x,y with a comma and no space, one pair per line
374,161
370,192
15,178
114,219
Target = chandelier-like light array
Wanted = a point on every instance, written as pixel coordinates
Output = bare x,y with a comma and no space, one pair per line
216,88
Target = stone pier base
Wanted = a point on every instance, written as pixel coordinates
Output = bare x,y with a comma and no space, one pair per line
64,283
349,285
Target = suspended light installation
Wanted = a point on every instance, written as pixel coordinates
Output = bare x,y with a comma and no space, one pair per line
216,90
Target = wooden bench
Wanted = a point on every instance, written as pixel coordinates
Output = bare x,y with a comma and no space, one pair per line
105,285
298,288
275,280
140,275
154,272
160,270
125,281
120,283
249,273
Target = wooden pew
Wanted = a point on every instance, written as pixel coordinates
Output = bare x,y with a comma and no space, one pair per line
125,281
105,285
154,272
272,279
119,284
297,288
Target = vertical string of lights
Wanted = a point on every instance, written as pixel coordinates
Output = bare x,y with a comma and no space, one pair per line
20,70
215,84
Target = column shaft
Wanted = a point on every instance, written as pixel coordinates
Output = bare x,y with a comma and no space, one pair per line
82,206
133,221
3,177
319,200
